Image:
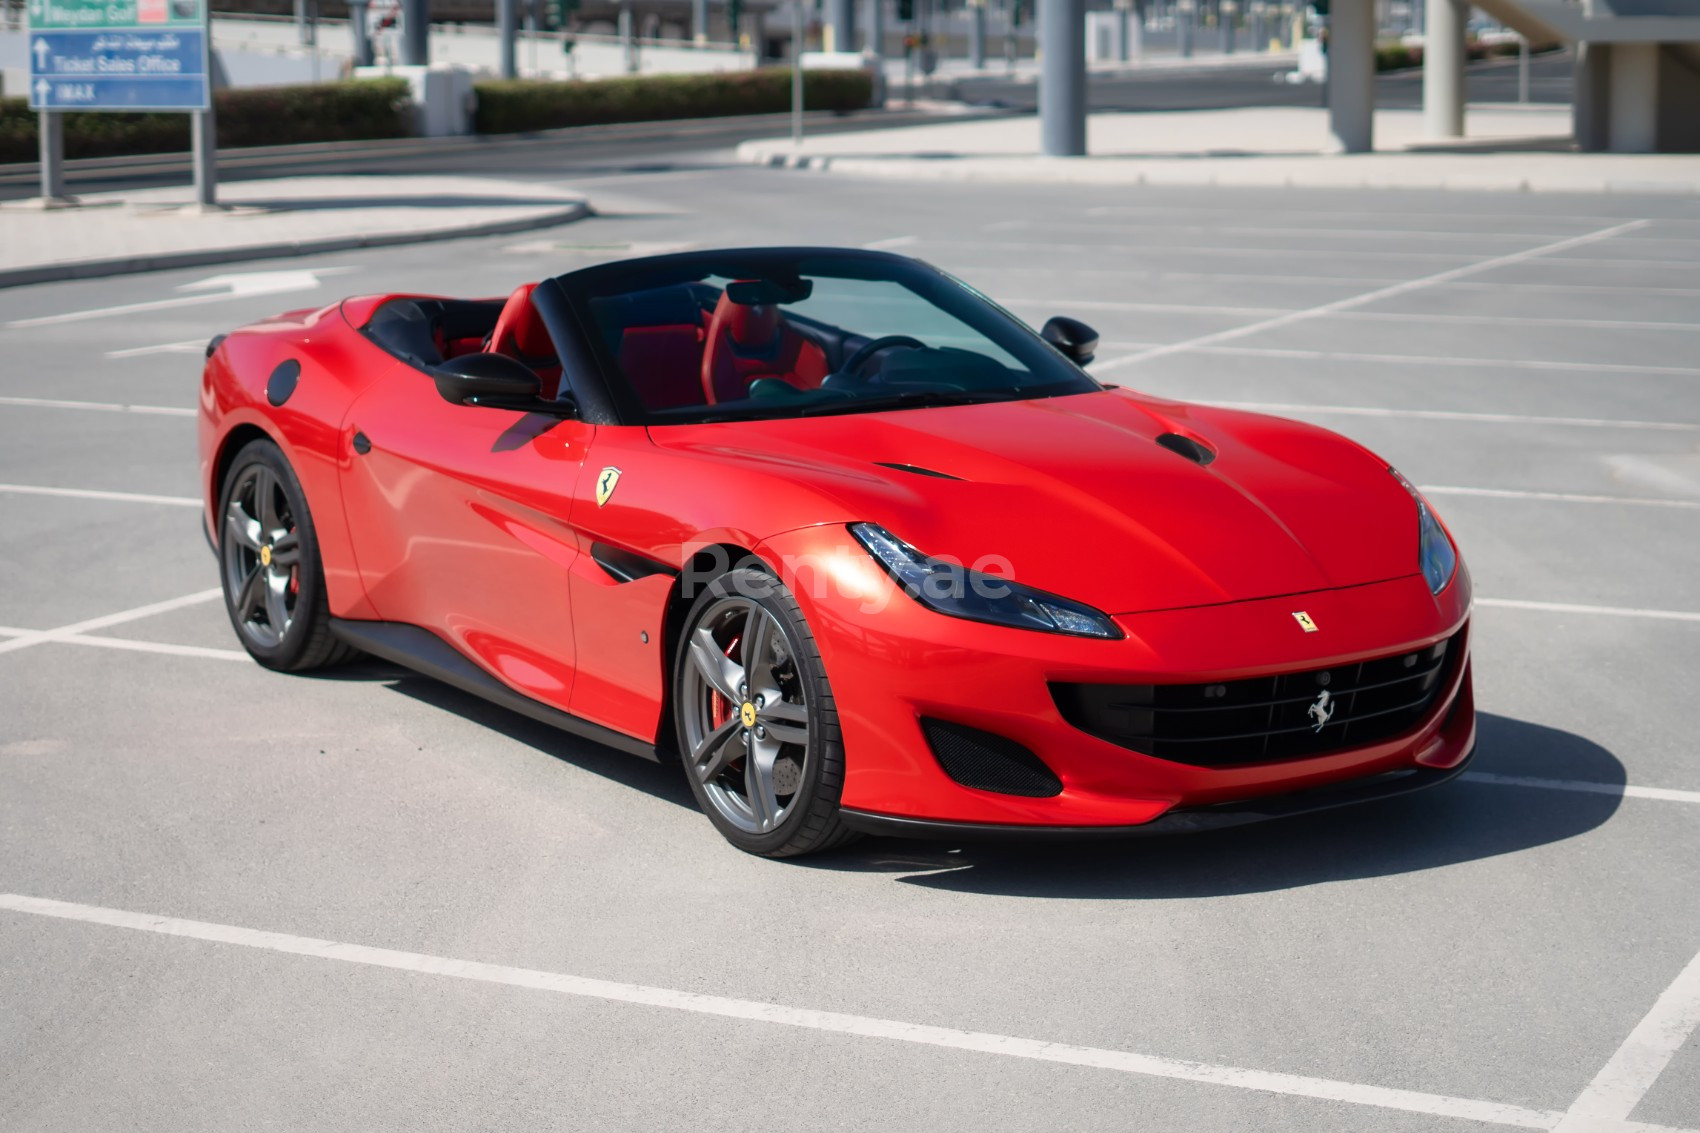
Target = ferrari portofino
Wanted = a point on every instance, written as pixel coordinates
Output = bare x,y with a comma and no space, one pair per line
856,546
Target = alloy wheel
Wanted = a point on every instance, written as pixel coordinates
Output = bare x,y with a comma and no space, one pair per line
262,556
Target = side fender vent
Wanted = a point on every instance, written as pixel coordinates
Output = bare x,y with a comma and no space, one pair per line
917,470
989,762
1187,447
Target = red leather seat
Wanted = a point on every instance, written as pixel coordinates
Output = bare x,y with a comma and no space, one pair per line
520,334
746,342
664,364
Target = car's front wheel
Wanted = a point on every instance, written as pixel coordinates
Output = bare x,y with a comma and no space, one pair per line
757,727
274,584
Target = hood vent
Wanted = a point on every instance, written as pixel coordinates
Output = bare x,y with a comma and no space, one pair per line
1187,447
917,470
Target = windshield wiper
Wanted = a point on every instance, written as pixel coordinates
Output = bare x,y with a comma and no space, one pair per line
911,399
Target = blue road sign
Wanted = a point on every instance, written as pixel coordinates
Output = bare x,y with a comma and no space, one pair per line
119,69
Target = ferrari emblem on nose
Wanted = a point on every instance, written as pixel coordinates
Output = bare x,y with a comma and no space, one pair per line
1304,620
605,484
1321,711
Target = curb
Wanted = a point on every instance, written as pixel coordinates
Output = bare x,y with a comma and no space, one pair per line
933,170
131,265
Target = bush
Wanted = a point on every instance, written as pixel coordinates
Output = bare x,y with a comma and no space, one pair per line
512,106
255,116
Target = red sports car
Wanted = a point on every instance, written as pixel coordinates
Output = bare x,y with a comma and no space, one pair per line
859,548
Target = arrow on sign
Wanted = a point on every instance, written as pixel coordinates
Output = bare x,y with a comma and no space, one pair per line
42,90
36,8
41,50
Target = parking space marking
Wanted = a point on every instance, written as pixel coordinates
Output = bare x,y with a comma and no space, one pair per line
94,494
100,406
62,633
1410,1101
168,648
1450,415
1269,230
892,242
1575,608
1559,497
1628,791
1380,293
1625,1079
192,346
1448,360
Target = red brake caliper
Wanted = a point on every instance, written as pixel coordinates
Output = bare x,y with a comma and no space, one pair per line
719,708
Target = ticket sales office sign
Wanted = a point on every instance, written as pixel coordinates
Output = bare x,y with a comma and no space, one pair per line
118,55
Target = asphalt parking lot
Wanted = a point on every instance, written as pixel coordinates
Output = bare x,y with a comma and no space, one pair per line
366,901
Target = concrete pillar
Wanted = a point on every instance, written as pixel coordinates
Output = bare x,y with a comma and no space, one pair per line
203,144
1588,121
699,21
840,31
1183,28
1351,75
1443,69
628,39
1227,14
359,29
1062,78
876,47
50,137
977,34
506,35
1632,101
415,33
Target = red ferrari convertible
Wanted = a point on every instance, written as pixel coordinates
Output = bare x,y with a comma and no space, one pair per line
853,544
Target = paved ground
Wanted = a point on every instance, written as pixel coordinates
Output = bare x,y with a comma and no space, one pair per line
143,228
1497,952
1510,147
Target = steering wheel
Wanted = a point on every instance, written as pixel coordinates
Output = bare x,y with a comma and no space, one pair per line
859,359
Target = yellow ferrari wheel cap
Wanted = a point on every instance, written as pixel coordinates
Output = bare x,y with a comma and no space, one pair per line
747,715
266,555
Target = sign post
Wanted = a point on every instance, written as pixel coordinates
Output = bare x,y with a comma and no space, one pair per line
126,55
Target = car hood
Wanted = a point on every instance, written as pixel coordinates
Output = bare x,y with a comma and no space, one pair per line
1077,495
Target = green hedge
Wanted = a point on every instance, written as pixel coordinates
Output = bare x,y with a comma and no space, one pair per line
1398,56
513,106
254,116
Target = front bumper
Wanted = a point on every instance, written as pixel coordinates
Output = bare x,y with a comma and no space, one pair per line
892,663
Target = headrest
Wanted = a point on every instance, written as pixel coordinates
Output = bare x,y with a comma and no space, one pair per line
519,328
750,326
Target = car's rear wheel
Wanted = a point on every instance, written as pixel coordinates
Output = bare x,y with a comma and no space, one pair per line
274,583
757,726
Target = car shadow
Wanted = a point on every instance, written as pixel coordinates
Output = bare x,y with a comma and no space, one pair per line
663,781
1457,822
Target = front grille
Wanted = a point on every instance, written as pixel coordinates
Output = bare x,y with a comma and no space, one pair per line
989,762
1264,719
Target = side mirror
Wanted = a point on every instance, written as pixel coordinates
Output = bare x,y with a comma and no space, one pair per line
1074,338
487,379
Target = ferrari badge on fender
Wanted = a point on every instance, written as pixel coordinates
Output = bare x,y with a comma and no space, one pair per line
605,484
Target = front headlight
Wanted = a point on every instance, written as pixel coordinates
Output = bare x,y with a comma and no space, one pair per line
959,592
1435,552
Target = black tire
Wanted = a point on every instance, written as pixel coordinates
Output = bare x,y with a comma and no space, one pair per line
801,813
269,564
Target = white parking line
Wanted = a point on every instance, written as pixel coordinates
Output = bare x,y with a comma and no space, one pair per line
1624,1081
892,242
1377,295
170,649
1559,497
75,629
1574,608
93,494
1410,1101
1449,415
1628,791
101,406
192,346
1432,360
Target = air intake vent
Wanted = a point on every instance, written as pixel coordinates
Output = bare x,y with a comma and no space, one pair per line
917,470
1186,447
989,762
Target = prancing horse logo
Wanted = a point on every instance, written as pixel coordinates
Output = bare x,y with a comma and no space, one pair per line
1321,711
605,483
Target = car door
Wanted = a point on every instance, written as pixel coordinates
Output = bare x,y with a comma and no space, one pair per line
459,519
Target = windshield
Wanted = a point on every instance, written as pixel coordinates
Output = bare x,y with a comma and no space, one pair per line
729,335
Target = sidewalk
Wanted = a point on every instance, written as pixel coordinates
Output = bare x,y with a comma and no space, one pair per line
1511,148
145,230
